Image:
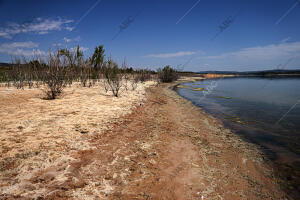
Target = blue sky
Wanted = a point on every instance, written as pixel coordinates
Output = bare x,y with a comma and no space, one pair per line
250,34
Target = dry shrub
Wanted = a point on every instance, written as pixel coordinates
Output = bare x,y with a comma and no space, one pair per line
134,82
55,75
167,74
18,74
112,77
143,75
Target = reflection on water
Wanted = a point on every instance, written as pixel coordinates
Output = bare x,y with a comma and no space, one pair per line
252,107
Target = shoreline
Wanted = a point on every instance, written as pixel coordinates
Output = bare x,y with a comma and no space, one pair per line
278,167
164,148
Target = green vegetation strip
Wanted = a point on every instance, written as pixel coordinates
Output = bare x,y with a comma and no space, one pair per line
182,86
238,120
199,89
224,97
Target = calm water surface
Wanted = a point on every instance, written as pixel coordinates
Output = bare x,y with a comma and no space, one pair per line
264,111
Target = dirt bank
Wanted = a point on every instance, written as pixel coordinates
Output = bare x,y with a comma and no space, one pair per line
165,149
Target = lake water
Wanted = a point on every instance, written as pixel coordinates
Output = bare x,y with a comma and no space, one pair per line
265,111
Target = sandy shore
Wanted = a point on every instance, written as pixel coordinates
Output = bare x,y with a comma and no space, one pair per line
143,145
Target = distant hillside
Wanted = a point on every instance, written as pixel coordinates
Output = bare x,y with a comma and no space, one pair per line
218,72
5,64
257,73
4,67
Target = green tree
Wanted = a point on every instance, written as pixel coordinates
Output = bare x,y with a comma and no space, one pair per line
74,58
97,58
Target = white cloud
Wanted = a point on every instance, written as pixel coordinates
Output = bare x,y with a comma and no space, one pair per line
68,40
69,28
4,34
32,52
38,26
21,48
286,40
14,45
57,44
267,52
253,58
168,55
83,49
43,32
77,39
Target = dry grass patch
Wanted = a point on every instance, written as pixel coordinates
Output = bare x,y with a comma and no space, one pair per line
39,134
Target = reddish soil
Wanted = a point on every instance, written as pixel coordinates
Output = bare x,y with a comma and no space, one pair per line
165,149
217,75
